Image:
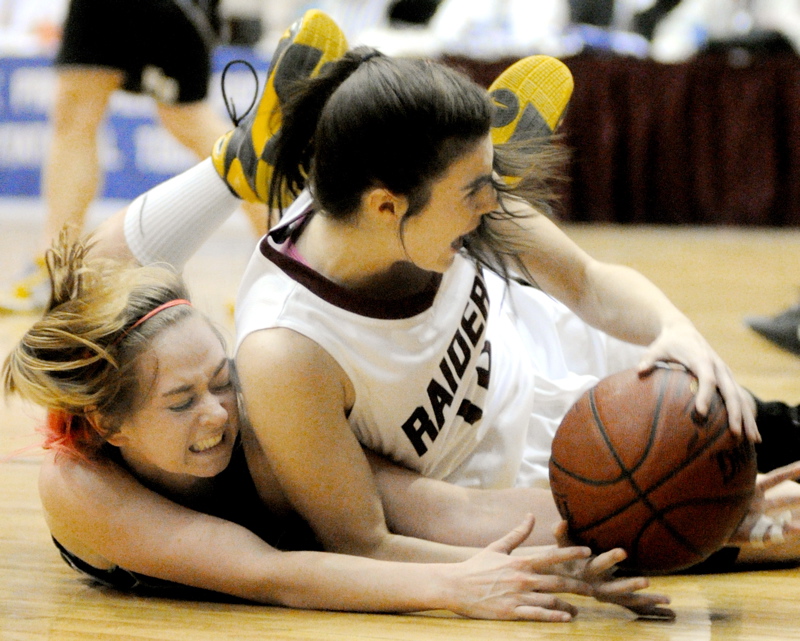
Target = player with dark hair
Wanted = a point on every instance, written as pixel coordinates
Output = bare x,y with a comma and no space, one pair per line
385,310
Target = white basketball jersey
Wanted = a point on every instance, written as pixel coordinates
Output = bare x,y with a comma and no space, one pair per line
445,381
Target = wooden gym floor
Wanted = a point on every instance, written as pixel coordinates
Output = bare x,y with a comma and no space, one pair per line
716,275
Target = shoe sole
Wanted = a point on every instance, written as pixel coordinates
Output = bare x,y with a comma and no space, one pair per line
302,52
531,98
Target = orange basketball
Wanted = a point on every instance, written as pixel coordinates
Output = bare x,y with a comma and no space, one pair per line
634,466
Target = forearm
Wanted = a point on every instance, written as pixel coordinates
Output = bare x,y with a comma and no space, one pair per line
438,511
338,582
491,585
614,298
236,562
483,516
623,303
626,305
380,544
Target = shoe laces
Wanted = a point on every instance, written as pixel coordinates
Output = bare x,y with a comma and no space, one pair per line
230,107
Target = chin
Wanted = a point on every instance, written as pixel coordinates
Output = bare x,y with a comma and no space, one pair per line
214,466
211,470
446,263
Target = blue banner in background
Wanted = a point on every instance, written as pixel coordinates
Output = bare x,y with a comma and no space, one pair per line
136,153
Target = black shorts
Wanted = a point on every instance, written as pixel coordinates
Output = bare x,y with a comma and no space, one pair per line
163,47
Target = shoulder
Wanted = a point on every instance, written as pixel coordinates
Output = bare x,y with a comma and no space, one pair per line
70,486
63,477
285,351
77,496
280,366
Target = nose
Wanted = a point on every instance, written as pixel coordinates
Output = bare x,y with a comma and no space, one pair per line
214,412
491,205
487,205
488,201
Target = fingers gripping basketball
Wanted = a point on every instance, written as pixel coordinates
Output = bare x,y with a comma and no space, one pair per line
634,466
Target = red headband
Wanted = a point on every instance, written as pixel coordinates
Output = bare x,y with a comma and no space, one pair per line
151,313
76,434
160,308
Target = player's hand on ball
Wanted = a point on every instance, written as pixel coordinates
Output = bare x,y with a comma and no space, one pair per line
682,343
495,585
598,571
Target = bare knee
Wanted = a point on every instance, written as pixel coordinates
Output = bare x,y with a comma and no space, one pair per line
81,100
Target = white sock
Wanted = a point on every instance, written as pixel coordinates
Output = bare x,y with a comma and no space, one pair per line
170,222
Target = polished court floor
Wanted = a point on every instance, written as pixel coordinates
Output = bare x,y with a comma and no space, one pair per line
716,275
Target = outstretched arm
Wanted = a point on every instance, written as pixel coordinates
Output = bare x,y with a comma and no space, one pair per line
623,303
103,515
439,511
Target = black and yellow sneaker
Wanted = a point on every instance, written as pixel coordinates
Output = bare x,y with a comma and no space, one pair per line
531,97
242,157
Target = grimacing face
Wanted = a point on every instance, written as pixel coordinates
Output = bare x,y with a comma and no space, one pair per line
186,424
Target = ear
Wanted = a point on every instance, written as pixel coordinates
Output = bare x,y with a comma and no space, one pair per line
381,202
95,420
117,439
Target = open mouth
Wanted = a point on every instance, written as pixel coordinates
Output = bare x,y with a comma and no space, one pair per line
207,444
458,243
462,240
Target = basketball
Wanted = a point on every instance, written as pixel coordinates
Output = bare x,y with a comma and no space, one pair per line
634,466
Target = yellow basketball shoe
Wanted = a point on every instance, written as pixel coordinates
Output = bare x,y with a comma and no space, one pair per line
30,292
244,157
531,97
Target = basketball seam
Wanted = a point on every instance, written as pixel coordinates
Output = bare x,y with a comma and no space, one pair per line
679,538
641,495
624,473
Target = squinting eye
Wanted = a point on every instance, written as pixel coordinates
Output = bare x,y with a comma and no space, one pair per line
183,406
223,387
